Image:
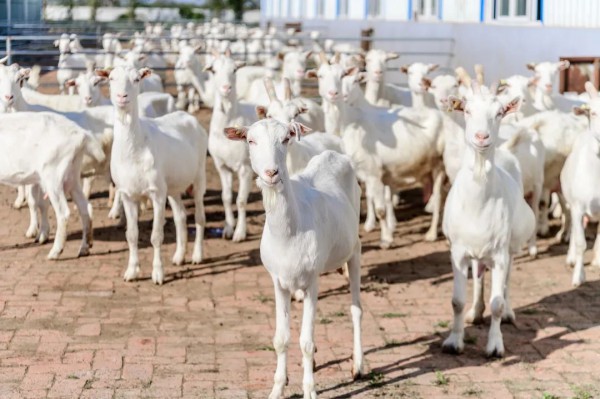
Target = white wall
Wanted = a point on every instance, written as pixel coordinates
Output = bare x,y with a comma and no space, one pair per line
503,50
107,14
461,10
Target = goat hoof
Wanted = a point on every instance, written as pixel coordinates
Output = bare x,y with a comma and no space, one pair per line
533,251
227,232
83,251
53,255
196,258
157,275
385,244
42,238
509,317
356,372
369,226
113,214
131,273
474,317
178,259
453,345
495,353
238,237
32,232
431,236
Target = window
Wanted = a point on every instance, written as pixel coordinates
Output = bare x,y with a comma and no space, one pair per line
427,9
517,10
374,8
321,8
343,8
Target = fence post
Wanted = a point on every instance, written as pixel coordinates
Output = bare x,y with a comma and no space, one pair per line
9,50
366,41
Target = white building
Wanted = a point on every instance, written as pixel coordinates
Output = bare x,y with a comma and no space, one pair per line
501,34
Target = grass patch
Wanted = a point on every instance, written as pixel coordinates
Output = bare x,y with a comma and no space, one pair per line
441,379
392,343
325,320
470,340
339,314
72,377
443,324
547,395
263,298
376,379
472,391
266,348
582,392
393,315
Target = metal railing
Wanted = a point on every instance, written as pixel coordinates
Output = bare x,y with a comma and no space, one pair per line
39,49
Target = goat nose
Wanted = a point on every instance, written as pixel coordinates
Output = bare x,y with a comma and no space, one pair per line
122,95
271,172
9,97
333,93
481,136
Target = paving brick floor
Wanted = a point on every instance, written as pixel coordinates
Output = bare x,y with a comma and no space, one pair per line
73,328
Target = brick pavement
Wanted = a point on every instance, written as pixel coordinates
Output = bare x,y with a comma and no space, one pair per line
73,328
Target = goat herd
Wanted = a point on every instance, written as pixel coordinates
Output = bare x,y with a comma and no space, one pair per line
502,153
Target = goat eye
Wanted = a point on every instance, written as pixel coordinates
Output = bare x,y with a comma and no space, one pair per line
287,139
251,142
136,80
467,112
593,114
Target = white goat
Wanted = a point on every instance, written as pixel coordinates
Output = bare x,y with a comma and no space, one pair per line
230,156
169,154
486,219
377,92
579,181
420,98
45,151
388,148
311,227
288,110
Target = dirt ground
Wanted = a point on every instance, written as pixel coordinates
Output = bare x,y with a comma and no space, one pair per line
73,328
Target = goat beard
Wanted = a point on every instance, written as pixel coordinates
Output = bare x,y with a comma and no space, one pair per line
269,193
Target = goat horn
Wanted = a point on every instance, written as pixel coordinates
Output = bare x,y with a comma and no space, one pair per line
323,58
463,75
270,89
479,73
287,89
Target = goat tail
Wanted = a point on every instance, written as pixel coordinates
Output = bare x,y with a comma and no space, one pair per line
514,140
34,76
93,148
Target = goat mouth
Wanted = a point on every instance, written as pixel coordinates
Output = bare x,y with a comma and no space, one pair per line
122,103
482,147
270,184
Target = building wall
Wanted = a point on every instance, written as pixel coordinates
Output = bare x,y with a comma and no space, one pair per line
493,45
574,13
22,11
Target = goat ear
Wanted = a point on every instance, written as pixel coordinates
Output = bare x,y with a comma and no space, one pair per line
582,110
261,112
512,106
361,77
350,71
70,83
228,52
103,73
432,67
591,89
307,54
280,55
236,133
142,57
531,66
533,81
144,72
297,129
24,73
426,82
55,43
564,64
208,68
97,80
4,60
311,74
239,64
456,104
404,68
391,56
198,48
502,85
